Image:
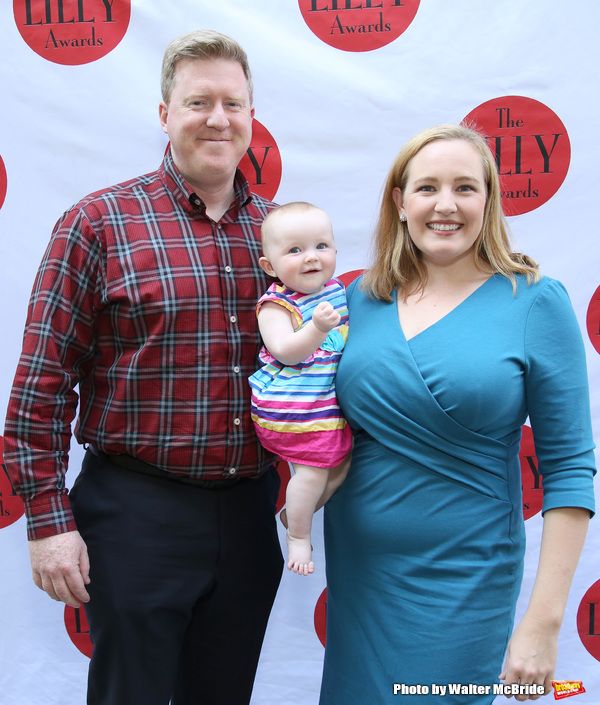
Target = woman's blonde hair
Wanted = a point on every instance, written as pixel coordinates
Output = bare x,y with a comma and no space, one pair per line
397,263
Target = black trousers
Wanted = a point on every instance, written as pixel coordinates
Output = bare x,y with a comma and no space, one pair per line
182,583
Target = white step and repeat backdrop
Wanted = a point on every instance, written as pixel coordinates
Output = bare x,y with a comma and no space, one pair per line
340,85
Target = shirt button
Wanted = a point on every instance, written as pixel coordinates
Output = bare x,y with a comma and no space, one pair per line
237,422
228,269
233,319
232,471
236,369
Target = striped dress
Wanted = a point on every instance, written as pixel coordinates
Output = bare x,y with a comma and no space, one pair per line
294,407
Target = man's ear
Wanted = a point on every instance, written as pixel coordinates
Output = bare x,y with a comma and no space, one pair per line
163,111
266,267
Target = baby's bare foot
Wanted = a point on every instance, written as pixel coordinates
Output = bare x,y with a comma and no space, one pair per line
299,555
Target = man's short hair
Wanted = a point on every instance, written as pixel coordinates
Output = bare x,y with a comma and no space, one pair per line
201,44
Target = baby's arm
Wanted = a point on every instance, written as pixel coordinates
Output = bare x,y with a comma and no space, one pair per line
291,346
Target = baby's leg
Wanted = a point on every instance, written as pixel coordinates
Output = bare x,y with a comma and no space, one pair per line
303,492
335,477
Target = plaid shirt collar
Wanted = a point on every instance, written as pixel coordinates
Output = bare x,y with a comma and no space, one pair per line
190,201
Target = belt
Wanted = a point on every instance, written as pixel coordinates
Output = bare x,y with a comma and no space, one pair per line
134,464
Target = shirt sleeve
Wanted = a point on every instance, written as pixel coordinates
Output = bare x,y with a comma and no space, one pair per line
558,400
58,347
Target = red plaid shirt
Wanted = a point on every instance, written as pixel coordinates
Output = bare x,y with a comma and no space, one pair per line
148,306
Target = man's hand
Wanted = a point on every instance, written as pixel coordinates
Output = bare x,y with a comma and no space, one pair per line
325,317
60,566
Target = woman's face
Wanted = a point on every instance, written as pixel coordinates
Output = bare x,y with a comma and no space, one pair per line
444,201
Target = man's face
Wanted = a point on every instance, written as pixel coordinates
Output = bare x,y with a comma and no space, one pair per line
208,121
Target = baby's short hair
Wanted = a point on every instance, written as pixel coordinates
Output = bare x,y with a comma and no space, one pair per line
286,208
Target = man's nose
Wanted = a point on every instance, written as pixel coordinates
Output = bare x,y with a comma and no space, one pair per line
217,118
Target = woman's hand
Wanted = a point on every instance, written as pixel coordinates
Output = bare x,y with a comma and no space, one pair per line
531,656
532,651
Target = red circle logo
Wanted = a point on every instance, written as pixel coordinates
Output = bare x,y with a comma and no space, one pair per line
3,182
531,147
78,629
358,25
261,164
593,320
321,617
72,32
348,277
285,474
588,620
11,506
531,480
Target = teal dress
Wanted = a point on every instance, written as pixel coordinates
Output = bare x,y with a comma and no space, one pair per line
425,539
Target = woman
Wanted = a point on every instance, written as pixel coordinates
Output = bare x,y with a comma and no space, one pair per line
455,342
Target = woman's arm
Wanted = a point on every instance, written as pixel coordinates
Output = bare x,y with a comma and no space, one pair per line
532,650
291,346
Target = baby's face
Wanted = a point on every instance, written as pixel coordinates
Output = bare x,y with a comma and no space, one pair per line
300,250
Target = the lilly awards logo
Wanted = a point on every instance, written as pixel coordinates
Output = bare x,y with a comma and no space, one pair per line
11,506
593,320
78,629
3,182
72,32
261,164
531,147
320,617
358,25
531,480
588,620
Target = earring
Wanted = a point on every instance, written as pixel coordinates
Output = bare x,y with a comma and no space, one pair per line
402,218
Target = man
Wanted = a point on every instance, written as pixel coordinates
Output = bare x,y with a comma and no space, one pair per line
145,299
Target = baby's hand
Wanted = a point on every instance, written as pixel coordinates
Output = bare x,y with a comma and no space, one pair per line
325,317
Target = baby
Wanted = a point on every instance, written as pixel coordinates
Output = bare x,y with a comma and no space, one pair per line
303,320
